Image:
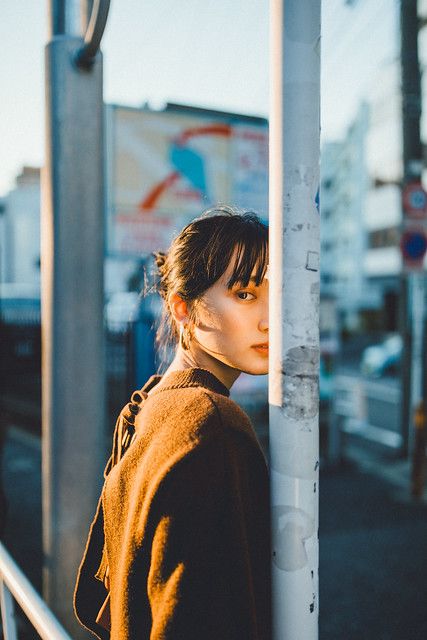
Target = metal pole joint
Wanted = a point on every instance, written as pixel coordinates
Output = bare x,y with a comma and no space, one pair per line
85,56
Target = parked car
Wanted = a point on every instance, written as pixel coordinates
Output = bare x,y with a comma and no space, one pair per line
384,358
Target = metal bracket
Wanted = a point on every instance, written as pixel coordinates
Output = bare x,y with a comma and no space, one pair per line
85,55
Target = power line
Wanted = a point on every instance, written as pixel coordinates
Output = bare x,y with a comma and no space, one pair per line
349,38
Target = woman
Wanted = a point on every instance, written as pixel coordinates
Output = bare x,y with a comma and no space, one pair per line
180,545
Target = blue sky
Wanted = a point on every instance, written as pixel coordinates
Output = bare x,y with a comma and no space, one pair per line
212,53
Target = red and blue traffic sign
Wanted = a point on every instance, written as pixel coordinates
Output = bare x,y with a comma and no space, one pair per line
413,244
414,200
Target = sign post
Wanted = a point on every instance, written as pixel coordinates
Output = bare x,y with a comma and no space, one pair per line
413,374
413,245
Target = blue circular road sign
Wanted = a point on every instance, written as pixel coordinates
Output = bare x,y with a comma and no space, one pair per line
415,200
414,244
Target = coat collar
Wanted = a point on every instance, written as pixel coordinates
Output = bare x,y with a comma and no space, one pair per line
191,377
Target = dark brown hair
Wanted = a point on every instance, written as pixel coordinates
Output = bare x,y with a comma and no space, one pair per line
200,254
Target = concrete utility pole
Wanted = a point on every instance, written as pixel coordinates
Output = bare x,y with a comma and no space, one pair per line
414,212
294,310
72,298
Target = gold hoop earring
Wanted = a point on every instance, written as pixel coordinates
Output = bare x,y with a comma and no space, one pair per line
184,336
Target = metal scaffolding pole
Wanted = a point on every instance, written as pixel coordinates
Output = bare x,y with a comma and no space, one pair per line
73,405
294,312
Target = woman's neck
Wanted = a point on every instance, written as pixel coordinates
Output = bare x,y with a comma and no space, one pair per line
187,359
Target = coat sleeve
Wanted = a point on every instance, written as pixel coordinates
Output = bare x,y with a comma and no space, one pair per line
201,582
90,593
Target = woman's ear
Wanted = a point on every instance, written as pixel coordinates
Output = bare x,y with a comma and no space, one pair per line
179,309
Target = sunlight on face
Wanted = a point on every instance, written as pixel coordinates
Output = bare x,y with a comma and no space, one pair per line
232,322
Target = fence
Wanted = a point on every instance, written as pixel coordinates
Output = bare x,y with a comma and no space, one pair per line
20,366
367,409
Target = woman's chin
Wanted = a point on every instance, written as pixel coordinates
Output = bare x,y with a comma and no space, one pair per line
257,366
257,369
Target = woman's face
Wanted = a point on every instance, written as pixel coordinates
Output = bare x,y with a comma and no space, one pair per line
232,323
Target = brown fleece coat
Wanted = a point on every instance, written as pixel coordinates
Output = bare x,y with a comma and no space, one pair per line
186,521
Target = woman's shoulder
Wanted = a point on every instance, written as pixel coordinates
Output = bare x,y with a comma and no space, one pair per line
195,407
193,414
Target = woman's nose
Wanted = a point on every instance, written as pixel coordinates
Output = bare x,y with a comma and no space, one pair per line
263,314
263,324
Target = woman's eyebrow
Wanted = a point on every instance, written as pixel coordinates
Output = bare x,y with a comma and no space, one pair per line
251,279
240,282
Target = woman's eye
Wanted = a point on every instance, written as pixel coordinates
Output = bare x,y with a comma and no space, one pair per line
242,295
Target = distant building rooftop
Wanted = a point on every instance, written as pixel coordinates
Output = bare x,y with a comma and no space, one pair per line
28,175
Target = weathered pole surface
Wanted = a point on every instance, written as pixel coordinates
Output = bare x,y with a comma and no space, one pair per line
294,313
73,404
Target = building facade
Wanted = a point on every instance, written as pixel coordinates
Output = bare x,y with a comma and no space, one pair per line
20,230
344,188
362,209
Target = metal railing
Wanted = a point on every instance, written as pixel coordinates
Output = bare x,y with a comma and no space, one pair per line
366,408
14,584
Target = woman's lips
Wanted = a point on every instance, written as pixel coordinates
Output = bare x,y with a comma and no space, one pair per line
261,348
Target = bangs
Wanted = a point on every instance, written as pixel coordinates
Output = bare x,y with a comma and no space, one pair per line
219,239
251,256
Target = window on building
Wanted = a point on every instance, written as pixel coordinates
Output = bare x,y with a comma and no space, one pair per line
388,237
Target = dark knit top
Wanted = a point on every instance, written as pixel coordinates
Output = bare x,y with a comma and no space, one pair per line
185,518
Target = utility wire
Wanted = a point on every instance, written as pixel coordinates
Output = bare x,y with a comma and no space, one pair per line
368,23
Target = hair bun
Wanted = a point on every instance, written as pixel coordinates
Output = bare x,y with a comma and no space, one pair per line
160,259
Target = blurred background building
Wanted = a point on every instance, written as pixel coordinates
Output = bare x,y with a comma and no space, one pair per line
20,230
